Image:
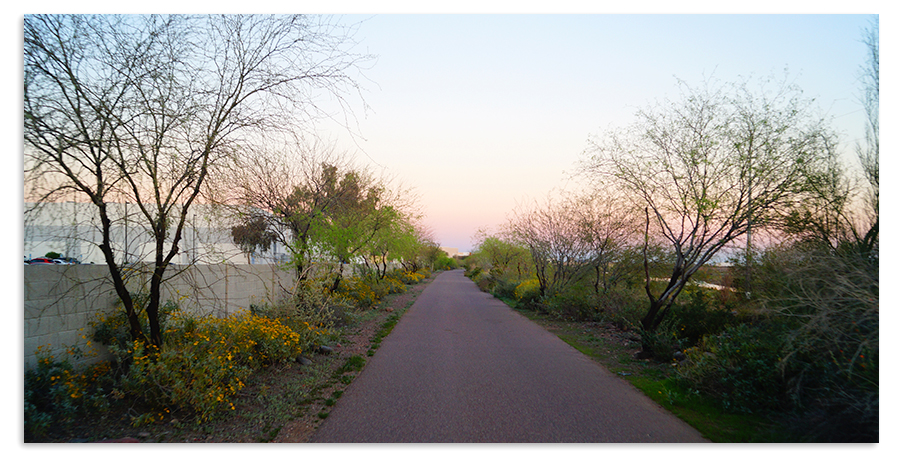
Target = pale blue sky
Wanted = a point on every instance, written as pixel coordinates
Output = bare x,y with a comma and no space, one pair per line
481,112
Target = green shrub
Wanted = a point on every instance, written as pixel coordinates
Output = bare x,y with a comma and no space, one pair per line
485,282
623,308
444,262
739,367
829,298
700,315
310,305
664,341
576,305
113,328
56,393
504,289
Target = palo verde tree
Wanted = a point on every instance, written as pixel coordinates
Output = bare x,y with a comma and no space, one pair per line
320,206
707,167
146,109
415,245
502,254
358,211
398,240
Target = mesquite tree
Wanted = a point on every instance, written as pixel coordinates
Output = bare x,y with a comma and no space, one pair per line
144,109
707,167
554,235
611,230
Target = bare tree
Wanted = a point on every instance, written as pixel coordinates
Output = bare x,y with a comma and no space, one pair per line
868,153
707,167
839,205
559,248
611,230
145,109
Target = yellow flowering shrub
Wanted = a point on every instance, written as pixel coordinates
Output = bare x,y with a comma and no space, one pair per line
528,291
395,286
412,277
359,291
365,292
204,362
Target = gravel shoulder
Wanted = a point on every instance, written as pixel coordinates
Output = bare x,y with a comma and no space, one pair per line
356,342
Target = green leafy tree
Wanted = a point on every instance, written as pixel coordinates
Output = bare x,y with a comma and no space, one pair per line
502,256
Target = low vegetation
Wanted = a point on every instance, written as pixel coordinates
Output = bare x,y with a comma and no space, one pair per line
210,370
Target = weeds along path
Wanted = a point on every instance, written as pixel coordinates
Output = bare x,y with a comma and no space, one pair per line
461,366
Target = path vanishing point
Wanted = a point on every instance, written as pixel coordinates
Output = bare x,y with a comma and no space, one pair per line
462,367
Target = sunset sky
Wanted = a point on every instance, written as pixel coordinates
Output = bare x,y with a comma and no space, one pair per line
482,112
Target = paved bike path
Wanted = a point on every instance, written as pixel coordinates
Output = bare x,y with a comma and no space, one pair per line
461,366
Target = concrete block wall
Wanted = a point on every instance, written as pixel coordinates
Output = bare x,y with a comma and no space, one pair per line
60,301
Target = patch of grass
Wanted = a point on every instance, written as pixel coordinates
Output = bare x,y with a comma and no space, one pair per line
268,433
579,344
354,363
703,414
387,327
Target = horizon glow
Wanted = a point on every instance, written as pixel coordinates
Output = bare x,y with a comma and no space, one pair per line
481,112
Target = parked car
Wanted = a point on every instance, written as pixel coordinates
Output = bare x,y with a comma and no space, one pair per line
40,261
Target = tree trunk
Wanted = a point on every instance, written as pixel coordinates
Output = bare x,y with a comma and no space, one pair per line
134,323
649,323
153,306
337,279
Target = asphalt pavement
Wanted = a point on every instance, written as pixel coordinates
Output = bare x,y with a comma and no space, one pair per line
461,366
